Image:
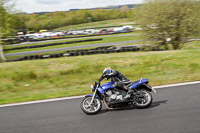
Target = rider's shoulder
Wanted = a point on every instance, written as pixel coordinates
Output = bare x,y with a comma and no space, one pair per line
116,72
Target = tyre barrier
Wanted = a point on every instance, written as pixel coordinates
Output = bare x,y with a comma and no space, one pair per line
45,56
52,44
82,52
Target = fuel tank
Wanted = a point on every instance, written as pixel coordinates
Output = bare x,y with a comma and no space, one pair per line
106,86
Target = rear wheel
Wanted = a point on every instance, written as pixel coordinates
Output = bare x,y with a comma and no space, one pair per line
93,108
145,101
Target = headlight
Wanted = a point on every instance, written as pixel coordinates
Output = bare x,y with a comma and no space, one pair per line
92,88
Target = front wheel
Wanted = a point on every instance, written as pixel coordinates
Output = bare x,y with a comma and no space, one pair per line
145,101
93,108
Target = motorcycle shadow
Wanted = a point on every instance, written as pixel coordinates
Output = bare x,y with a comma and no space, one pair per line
153,105
157,103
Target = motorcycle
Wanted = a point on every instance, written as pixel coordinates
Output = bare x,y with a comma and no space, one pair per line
113,98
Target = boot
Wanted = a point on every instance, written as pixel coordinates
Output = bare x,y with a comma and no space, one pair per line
128,94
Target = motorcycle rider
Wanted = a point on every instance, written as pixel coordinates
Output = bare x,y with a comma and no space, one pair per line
120,80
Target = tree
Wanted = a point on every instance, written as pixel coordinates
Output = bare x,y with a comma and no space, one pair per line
8,22
178,20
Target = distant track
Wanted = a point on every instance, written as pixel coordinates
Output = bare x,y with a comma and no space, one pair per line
73,47
25,43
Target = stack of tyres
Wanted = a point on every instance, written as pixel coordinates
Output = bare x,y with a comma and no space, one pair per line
101,50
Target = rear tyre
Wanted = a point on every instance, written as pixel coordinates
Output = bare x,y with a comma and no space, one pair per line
144,102
93,108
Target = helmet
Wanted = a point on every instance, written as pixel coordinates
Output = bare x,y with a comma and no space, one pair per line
107,71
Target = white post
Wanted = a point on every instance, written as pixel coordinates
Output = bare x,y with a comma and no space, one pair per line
168,39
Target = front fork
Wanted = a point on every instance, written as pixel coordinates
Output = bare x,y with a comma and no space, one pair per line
94,95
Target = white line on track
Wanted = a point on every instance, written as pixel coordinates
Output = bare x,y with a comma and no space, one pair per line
74,97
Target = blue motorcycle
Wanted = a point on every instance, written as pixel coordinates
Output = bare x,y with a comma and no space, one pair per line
113,97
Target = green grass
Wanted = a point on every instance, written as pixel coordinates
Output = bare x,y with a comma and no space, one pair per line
107,23
192,45
69,76
105,40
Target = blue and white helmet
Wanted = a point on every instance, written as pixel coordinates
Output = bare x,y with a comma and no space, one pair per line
107,71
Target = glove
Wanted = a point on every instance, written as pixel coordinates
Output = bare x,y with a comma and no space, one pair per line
101,78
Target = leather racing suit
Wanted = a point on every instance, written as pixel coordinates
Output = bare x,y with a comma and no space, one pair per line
119,79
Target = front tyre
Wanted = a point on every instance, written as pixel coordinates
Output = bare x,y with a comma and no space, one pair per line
145,101
93,108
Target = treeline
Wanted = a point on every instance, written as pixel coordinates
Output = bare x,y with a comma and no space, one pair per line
54,20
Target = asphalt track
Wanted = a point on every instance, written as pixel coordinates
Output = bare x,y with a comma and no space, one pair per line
70,48
174,110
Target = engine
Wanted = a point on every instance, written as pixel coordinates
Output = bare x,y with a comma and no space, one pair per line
114,95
